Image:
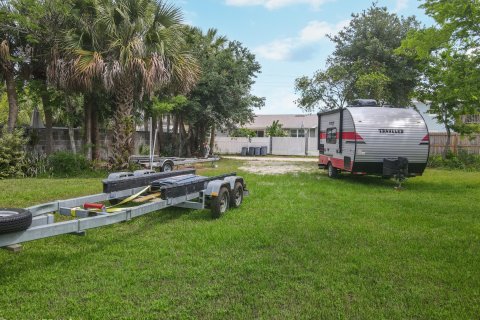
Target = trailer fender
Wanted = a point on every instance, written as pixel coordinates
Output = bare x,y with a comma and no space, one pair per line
233,180
213,187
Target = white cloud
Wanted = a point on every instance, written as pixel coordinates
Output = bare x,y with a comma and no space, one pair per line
289,48
275,4
280,102
401,5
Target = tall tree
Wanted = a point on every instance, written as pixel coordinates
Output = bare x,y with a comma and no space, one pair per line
327,89
449,57
133,48
9,49
223,94
363,64
366,46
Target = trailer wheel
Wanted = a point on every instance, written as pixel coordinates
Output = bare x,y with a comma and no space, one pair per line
236,197
14,219
167,166
332,171
220,203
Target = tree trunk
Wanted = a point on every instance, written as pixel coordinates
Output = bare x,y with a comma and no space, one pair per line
175,135
95,133
71,132
191,141
160,134
185,139
447,143
71,136
212,138
87,125
12,101
124,125
168,123
202,138
181,137
47,109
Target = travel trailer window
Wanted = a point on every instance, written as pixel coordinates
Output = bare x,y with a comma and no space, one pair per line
332,135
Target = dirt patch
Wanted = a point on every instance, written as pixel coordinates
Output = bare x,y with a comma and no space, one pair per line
264,167
270,159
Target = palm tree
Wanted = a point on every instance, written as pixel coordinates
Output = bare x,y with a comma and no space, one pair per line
7,65
7,69
130,48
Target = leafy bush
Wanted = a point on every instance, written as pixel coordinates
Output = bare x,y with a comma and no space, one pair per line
243,132
276,130
463,161
35,164
11,153
67,164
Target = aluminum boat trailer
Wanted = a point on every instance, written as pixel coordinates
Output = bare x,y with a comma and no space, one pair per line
128,197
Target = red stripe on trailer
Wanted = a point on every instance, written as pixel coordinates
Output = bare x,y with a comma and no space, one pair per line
345,136
426,139
352,136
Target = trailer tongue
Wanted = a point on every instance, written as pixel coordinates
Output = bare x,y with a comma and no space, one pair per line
124,197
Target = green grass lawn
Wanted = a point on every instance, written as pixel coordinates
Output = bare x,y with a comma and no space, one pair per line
301,246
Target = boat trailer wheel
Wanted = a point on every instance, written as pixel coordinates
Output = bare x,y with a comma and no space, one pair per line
220,203
236,198
167,166
14,219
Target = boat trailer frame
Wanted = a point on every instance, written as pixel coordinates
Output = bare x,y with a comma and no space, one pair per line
44,225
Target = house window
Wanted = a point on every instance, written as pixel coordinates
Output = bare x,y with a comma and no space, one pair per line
332,135
293,133
301,133
312,133
260,133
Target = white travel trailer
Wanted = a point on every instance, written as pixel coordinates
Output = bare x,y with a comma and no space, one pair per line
365,138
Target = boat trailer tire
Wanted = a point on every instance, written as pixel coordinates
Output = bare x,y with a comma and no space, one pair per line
220,203
332,171
14,219
167,166
236,197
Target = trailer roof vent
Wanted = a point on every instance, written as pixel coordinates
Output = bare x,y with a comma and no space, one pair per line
364,103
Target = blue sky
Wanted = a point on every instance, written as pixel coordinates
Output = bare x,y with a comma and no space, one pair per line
288,37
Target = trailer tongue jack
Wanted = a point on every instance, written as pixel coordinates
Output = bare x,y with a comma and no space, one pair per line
127,197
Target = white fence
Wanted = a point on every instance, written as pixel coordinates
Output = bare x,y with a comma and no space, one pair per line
229,145
285,146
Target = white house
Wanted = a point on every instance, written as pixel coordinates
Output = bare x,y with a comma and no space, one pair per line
297,125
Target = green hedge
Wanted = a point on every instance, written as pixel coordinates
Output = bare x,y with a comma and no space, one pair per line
462,161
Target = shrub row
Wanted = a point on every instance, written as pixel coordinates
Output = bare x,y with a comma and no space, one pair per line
463,160
15,162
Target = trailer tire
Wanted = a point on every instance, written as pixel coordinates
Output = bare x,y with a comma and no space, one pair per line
167,166
332,171
220,203
14,219
236,197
